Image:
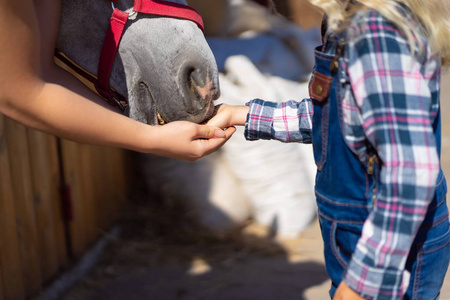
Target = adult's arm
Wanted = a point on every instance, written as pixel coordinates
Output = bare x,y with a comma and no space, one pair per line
52,108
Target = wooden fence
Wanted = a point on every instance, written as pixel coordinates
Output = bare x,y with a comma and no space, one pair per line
56,198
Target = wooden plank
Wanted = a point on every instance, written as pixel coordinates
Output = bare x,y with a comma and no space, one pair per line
46,187
10,262
17,146
57,209
102,201
90,188
119,174
106,203
73,176
111,169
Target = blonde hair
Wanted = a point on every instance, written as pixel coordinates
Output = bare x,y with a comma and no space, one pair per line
433,15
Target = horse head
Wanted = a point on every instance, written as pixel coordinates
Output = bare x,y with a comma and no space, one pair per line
163,65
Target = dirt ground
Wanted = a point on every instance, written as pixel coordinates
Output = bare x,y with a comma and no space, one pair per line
158,263
156,258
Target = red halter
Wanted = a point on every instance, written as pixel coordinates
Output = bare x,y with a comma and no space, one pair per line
114,34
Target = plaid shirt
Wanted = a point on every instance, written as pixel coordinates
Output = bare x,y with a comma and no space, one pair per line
391,100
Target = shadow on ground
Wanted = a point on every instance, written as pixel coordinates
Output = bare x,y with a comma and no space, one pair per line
159,256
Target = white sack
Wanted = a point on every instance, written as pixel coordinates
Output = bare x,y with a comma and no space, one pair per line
278,178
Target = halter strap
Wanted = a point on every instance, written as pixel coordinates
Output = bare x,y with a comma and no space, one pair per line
109,50
168,9
115,31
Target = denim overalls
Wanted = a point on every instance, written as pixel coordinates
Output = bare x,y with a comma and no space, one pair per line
346,190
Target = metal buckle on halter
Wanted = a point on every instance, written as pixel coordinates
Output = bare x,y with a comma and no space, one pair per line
121,104
129,16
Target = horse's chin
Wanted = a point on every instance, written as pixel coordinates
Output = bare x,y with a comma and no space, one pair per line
145,107
199,117
204,114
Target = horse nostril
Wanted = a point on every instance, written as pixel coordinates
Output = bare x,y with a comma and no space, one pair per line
198,85
194,77
195,98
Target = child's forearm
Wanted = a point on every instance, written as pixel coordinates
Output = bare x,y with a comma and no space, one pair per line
239,115
229,115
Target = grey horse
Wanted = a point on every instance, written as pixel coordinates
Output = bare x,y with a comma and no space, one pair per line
167,64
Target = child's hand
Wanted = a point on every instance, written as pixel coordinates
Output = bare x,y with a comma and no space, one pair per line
229,115
343,292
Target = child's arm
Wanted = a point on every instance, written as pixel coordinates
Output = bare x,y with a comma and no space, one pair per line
229,115
287,122
392,91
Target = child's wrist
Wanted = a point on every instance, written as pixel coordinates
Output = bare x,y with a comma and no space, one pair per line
239,115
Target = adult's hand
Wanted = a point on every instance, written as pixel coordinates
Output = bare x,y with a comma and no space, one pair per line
188,141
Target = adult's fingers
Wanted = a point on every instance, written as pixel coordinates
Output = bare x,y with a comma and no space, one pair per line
229,132
213,145
209,132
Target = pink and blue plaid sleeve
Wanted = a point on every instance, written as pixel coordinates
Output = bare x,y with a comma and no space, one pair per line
287,122
392,90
